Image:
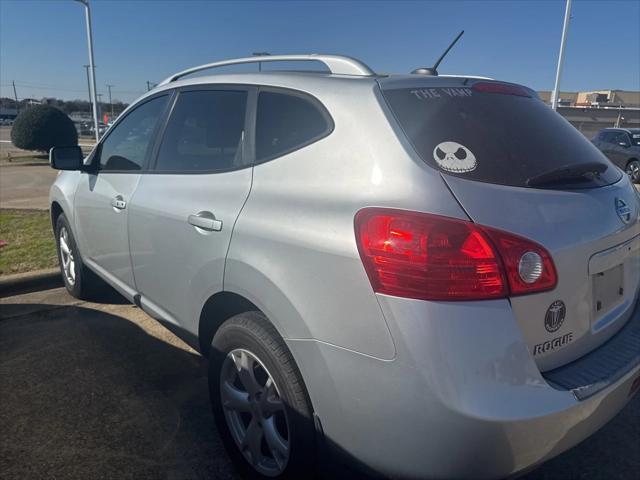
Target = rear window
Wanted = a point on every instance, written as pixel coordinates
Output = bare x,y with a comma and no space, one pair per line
492,137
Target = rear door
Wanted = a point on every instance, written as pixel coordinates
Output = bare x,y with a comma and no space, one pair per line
514,164
184,209
103,196
609,147
599,140
620,149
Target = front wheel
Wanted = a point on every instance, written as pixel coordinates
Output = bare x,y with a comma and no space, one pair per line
78,279
259,400
633,170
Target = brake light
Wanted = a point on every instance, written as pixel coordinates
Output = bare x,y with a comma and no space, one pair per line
430,257
500,88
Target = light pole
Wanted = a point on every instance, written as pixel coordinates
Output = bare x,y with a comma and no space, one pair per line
92,67
563,44
15,95
110,102
260,54
86,68
620,118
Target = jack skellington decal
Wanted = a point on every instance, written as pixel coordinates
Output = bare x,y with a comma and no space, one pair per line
453,157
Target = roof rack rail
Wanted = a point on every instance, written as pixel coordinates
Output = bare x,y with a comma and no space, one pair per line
337,64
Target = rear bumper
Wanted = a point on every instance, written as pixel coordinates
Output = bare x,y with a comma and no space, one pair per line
462,399
603,366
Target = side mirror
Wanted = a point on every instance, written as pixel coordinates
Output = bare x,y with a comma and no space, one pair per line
66,158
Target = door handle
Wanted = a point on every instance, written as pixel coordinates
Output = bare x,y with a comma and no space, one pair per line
205,221
118,202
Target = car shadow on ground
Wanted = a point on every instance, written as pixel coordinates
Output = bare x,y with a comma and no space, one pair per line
109,296
88,394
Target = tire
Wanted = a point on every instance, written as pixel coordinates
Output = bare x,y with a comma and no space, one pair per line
249,339
79,281
633,170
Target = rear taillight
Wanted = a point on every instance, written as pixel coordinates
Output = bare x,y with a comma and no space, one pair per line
529,266
430,257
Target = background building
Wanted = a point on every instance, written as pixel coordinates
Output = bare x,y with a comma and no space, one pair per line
597,109
596,98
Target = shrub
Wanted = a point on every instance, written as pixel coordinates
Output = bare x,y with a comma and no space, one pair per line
42,127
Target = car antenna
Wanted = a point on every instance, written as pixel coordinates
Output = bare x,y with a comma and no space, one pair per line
434,70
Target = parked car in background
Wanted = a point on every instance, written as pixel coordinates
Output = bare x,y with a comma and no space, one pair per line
102,128
622,147
83,128
425,276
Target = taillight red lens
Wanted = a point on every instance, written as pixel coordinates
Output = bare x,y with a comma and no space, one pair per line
500,88
430,257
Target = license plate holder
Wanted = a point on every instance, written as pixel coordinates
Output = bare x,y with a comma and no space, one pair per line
608,290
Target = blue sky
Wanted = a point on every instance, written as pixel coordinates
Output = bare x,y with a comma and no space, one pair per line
43,43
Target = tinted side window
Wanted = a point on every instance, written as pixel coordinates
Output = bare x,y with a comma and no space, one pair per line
286,122
609,137
128,143
621,137
204,132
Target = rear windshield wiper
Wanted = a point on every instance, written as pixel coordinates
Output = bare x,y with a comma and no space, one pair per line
577,173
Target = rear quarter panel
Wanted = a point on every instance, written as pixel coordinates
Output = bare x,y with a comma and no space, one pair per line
293,251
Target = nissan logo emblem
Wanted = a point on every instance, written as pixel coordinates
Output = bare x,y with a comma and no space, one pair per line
624,211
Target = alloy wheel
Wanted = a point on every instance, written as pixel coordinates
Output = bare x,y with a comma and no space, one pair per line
633,170
66,255
255,412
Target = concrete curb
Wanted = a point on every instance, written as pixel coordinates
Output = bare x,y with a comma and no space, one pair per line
30,282
24,164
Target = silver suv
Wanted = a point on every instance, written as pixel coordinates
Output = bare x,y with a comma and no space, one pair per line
415,275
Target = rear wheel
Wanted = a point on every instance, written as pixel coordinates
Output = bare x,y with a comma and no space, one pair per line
633,170
78,279
259,400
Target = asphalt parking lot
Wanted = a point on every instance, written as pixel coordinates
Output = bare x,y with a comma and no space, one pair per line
26,186
100,390
23,185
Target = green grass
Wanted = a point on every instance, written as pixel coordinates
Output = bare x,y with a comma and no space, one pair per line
30,243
